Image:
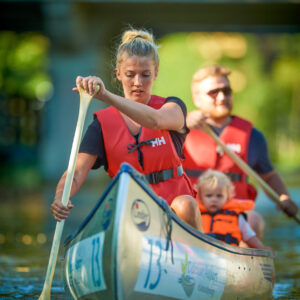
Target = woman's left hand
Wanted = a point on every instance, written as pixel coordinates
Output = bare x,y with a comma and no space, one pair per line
89,84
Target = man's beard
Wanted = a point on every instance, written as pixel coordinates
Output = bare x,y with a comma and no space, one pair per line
220,113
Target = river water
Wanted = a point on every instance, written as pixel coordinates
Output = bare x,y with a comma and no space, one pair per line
26,233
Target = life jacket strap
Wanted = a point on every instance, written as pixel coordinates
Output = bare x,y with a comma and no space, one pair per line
197,173
164,175
132,147
220,212
227,238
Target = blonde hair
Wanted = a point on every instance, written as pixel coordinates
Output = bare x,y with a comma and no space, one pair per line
139,43
214,179
214,70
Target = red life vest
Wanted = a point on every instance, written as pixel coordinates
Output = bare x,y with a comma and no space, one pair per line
201,153
154,148
224,223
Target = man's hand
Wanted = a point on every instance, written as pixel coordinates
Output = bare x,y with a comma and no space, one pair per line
288,205
276,183
195,119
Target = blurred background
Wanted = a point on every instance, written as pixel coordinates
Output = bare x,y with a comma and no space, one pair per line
44,45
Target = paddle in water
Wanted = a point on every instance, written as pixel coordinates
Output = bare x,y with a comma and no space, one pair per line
85,100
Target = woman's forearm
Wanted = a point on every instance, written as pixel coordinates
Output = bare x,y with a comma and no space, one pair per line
169,117
83,165
60,187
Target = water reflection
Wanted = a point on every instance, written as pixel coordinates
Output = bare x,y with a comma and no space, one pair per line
27,228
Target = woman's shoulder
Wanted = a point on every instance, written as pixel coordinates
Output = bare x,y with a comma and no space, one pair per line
159,100
178,101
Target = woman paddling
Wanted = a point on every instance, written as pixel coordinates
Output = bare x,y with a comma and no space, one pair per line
142,129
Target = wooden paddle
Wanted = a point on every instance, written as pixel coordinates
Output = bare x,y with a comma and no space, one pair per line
249,171
85,100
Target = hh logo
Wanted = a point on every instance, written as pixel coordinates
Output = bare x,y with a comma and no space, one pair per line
233,147
158,142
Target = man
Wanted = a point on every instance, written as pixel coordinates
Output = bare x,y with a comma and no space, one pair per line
212,96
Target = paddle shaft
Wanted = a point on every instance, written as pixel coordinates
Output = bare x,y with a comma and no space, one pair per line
249,171
85,100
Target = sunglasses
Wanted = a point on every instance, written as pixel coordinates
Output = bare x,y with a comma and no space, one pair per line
215,92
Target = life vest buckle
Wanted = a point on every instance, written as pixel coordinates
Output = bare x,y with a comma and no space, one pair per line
164,175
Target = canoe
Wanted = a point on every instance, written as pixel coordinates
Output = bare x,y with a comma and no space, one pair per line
132,246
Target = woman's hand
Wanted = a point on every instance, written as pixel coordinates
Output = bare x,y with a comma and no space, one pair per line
89,84
84,163
59,211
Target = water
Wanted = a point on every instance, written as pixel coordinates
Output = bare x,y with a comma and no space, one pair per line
26,232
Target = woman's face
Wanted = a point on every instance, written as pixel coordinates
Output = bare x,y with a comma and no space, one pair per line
137,75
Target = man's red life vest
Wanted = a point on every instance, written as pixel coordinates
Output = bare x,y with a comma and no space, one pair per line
154,148
224,223
201,153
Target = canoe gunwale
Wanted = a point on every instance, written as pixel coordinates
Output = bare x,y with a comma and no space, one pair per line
90,216
120,212
142,181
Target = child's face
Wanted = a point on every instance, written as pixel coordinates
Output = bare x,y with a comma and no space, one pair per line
213,198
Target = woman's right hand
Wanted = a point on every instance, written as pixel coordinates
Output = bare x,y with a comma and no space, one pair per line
89,84
84,163
59,211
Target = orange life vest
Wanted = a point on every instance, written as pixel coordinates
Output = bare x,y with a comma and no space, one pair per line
224,223
153,154
201,153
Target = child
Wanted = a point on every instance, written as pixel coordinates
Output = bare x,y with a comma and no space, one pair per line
222,216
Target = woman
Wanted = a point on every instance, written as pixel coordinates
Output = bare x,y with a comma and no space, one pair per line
144,130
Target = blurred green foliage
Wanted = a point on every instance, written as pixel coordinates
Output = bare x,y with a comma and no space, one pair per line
264,77
25,86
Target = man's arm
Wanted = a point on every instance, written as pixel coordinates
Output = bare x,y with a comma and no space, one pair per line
258,159
276,183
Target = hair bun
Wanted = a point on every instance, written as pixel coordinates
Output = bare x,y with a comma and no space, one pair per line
130,35
137,42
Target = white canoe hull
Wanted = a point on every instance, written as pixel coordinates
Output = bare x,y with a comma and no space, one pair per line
133,247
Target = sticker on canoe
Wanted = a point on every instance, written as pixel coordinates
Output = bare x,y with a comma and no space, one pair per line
84,266
195,273
140,214
107,213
